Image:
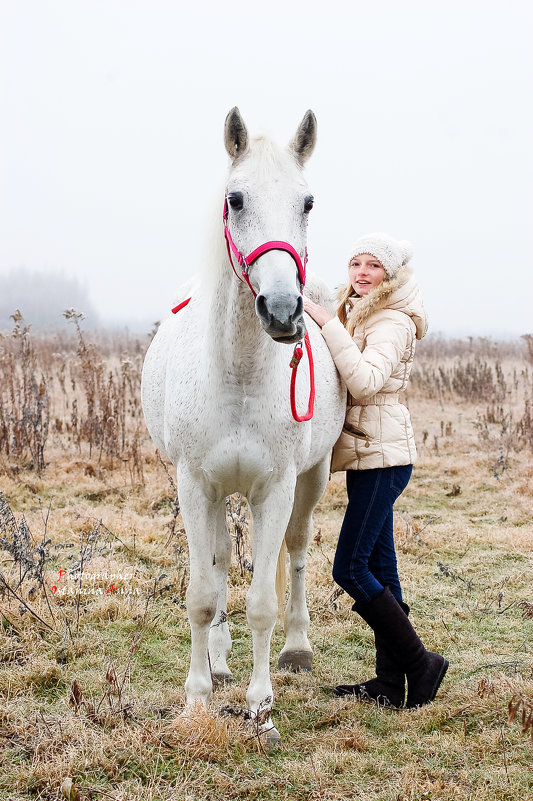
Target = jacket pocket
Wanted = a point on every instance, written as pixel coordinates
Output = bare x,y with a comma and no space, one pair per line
355,431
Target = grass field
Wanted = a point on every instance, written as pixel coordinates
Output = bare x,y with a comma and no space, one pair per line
93,660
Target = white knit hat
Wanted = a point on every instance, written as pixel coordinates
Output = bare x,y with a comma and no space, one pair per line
392,253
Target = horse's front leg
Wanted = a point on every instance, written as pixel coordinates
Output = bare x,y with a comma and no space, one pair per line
297,653
270,518
199,517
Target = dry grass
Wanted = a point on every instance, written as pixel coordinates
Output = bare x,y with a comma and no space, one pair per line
93,660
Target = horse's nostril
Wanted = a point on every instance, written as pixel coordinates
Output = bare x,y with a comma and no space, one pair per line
261,307
299,308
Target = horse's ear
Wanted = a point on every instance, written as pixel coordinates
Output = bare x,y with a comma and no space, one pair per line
235,134
304,140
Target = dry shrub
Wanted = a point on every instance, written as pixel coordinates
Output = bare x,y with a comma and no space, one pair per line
86,395
24,580
206,735
110,708
521,706
527,608
474,380
528,340
524,426
494,377
24,399
111,399
37,598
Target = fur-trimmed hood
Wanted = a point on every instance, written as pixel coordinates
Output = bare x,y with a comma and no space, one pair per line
400,293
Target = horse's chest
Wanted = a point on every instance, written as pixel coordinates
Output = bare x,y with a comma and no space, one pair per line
239,417
243,416
235,448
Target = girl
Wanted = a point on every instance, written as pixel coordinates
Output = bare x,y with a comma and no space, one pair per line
372,341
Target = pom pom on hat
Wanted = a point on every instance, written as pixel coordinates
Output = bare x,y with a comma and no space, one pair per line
392,254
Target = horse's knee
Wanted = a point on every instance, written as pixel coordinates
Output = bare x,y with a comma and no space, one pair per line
298,539
261,609
201,605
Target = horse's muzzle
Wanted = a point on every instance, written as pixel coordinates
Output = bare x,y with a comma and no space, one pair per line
281,316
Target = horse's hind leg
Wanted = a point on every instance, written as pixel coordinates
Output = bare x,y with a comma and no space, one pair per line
297,653
219,636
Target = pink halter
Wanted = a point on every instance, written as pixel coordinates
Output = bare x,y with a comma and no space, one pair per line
245,262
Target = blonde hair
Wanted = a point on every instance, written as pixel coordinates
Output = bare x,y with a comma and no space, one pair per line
344,293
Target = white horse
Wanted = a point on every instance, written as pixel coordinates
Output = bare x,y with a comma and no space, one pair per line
215,393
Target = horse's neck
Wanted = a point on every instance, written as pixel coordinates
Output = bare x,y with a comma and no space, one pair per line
238,345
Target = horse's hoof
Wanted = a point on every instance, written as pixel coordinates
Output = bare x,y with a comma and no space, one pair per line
270,740
222,678
295,660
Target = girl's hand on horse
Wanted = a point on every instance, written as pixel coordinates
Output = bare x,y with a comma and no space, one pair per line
317,312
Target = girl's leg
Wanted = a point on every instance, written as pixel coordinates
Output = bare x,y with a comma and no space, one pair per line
382,563
388,688
367,530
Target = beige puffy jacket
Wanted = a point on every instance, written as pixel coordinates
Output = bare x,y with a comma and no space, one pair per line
375,365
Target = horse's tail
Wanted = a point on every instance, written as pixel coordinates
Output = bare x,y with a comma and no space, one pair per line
281,577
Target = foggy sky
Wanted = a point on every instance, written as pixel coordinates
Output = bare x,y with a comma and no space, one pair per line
112,154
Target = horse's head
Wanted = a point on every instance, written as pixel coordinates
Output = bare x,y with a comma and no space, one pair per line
268,199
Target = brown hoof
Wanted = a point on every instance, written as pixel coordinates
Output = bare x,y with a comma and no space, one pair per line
295,660
220,679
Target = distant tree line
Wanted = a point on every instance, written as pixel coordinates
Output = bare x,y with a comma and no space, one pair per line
42,296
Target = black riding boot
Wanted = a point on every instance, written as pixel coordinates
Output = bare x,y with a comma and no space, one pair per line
424,669
388,688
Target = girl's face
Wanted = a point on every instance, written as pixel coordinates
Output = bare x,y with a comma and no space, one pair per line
365,272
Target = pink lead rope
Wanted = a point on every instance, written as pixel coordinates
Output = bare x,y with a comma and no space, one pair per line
245,263
295,361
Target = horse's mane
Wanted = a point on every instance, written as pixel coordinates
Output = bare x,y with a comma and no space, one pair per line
213,251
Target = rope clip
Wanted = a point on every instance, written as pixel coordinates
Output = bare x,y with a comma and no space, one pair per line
297,355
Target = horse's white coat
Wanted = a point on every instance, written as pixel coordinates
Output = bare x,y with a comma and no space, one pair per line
215,394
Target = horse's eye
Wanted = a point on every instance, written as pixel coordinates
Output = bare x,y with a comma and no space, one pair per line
308,203
236,200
